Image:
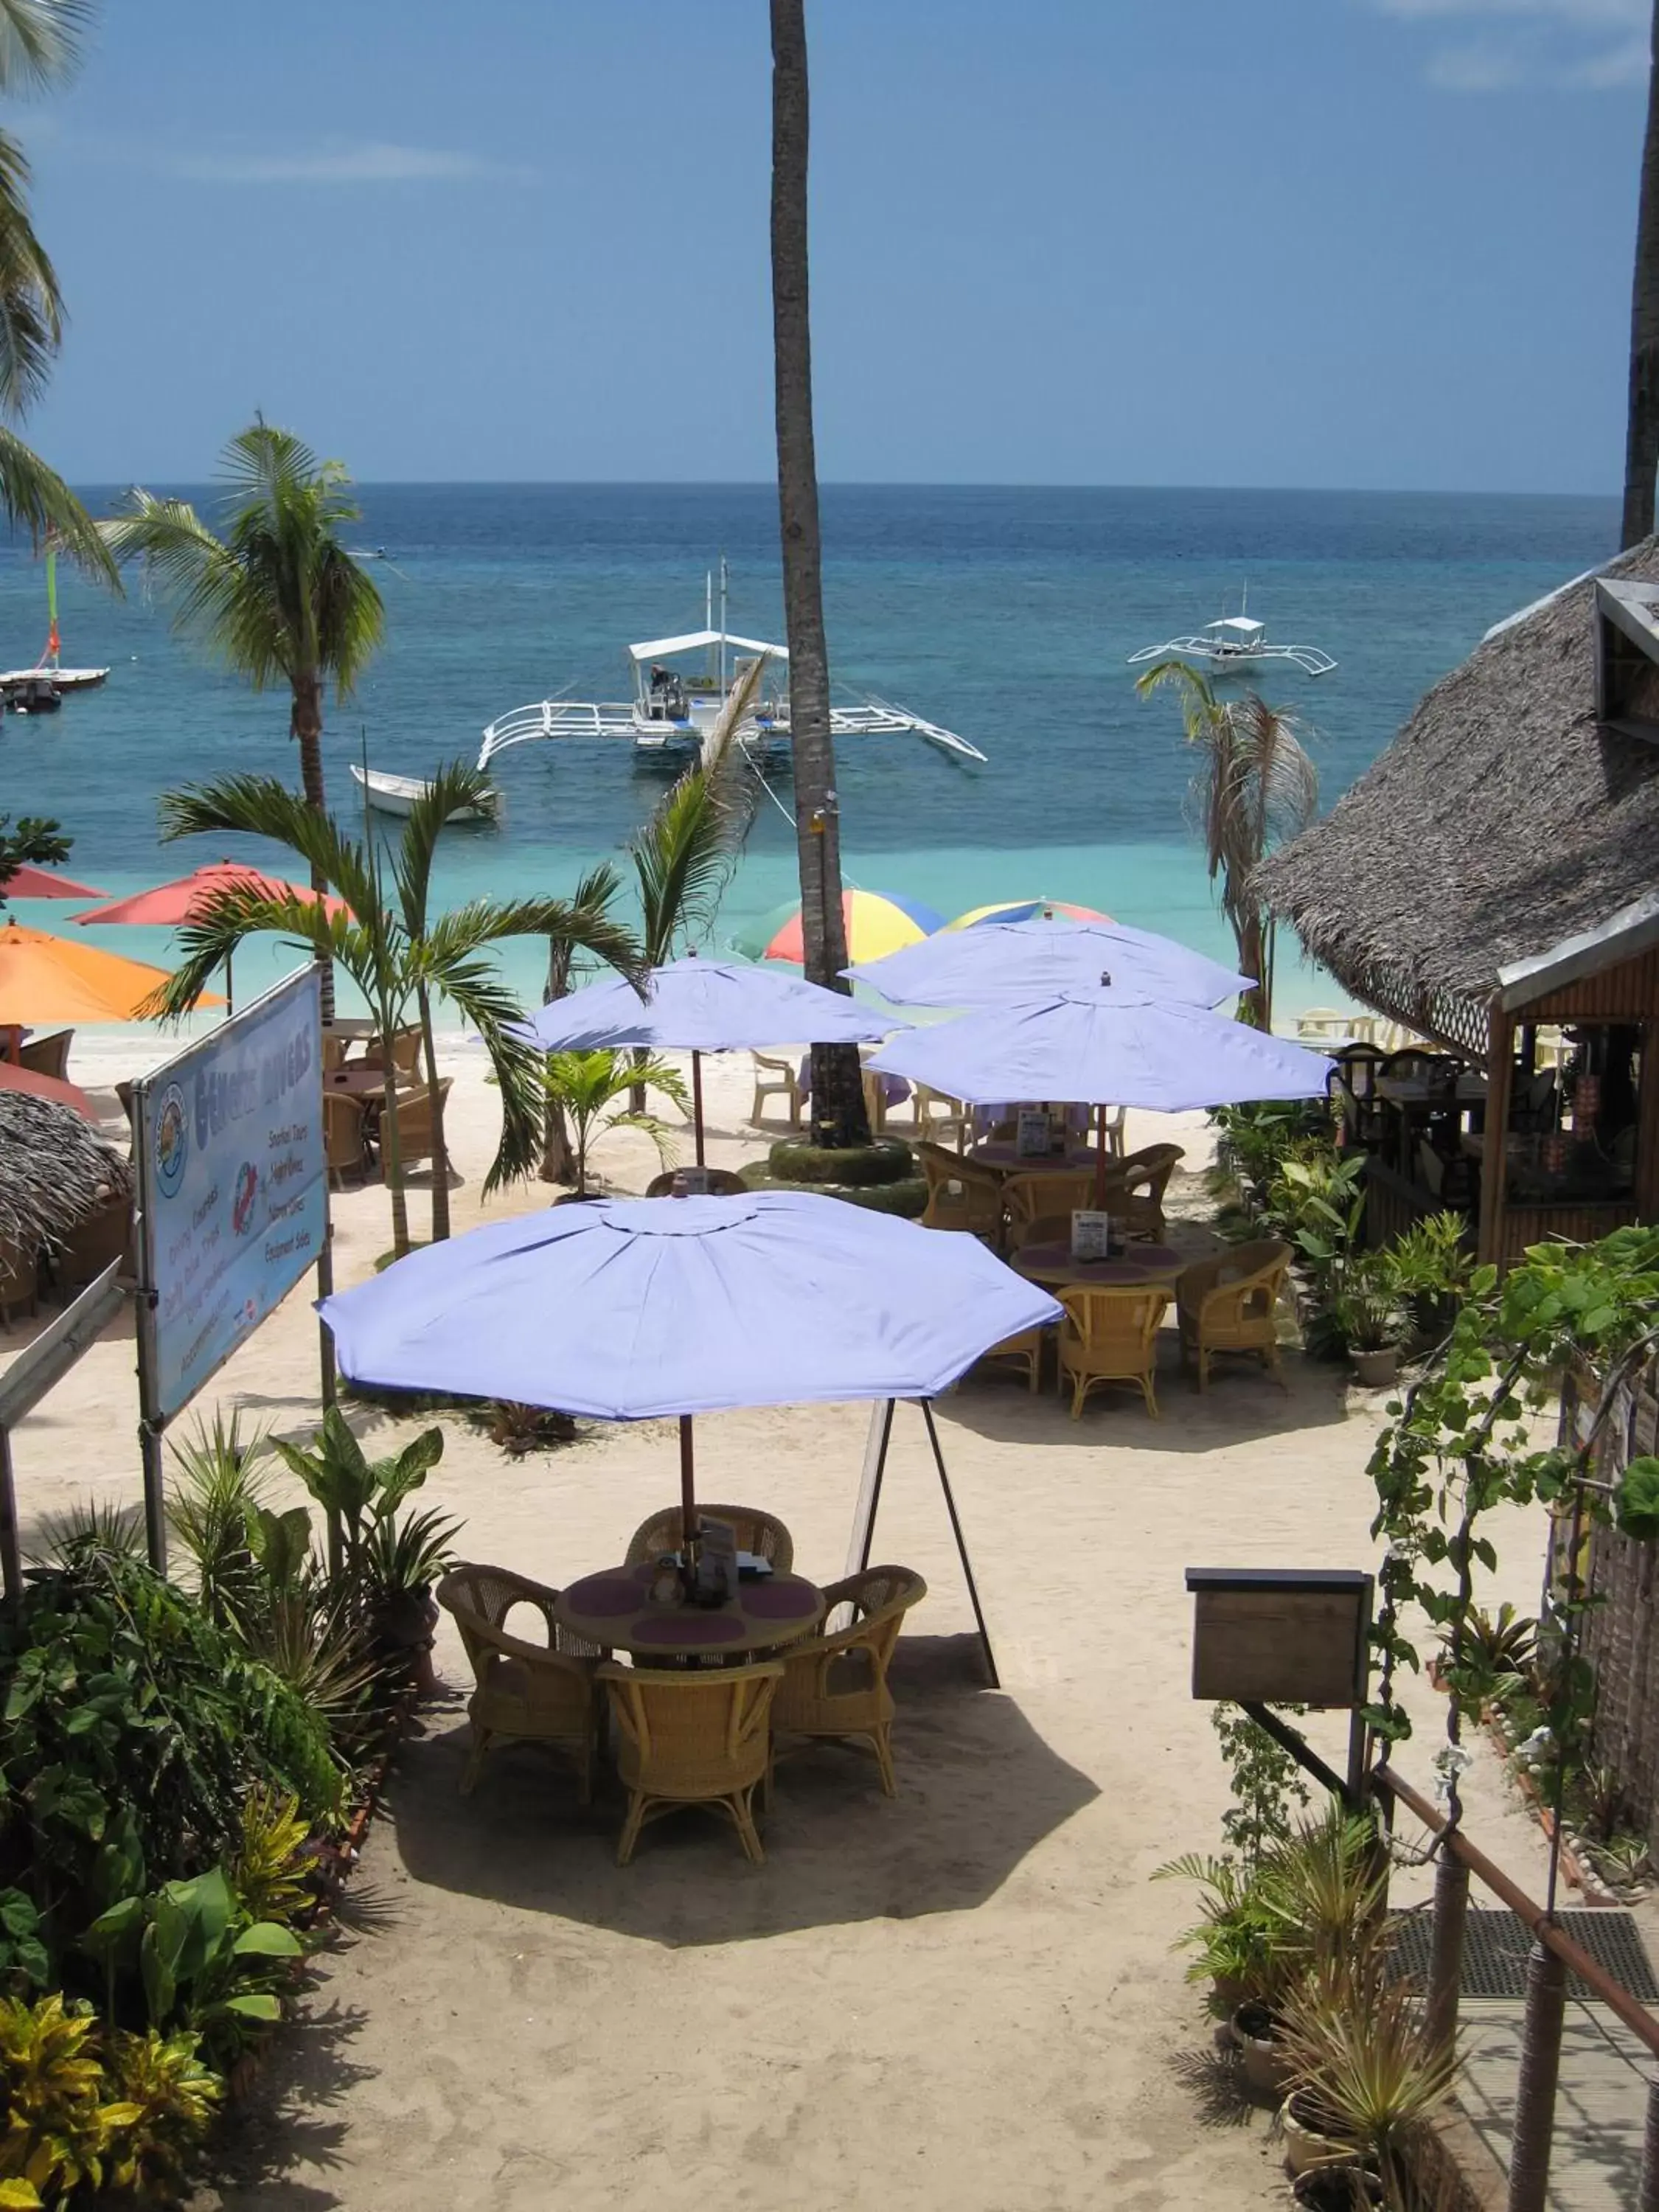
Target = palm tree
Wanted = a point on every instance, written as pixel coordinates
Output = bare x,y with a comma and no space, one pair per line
839,1116
587,1085
684,856
278,598
1255,785
400,958
39,47
1642,424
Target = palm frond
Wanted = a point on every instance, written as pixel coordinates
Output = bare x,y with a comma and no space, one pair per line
31,305
40,43
457,786
35,498
214,931
264,806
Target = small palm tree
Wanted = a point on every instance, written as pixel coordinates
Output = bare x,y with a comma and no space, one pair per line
586,1086
39,48
684,856
277,597
401,959
1255,785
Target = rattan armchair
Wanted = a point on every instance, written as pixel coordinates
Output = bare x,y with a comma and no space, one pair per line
1031,1197
960,1195
692,1738
416,1132
526,1692
1135,1188
763,1533
1023,1352
1110,1336
1231,1304
835,1685
345,1138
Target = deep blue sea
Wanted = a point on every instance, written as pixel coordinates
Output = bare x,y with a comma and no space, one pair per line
1006,614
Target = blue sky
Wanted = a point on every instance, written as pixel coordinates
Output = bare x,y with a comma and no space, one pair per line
1379,243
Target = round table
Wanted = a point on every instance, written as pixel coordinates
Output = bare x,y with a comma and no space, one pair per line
612,1609
356,1082
1141,1263
996,1152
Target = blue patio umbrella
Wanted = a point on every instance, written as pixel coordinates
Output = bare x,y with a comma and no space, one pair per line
1100,1044
1008,962
633,1309
703,1006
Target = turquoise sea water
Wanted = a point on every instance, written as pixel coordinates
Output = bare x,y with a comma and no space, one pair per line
1006,614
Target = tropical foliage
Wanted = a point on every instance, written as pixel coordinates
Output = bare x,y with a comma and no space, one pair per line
403,958
1255,785
586,1087
34,840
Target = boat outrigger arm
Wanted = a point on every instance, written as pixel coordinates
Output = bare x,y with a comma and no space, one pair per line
1237,641
669,709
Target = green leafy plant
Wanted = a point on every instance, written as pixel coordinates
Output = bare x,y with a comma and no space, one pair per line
588,1087
1635,1505
354,1492
1237,1942
518,1429
218,1487
271,1867
1265,1783
25,1961
58,2124
1365,1304
1433,1263
172,2096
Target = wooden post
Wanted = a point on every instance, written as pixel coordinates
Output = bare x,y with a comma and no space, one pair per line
1494,1164
1451,1906
1646,1192
1534,2088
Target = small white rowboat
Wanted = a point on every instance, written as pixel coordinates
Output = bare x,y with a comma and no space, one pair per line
396,795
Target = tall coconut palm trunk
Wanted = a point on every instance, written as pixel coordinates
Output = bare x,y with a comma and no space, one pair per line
1642,425
838,1109
306,722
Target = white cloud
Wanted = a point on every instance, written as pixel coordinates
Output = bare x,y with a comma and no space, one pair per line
1585,45
372,162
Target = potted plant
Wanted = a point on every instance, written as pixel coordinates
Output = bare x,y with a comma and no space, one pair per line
402,1559
1231,1940
1366,1308
1360,2050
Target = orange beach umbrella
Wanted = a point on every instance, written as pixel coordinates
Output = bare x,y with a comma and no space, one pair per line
45,978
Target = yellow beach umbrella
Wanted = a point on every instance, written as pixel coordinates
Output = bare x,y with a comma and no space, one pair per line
45,978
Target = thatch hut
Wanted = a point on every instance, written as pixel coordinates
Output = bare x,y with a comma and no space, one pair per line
56,1172
1497,871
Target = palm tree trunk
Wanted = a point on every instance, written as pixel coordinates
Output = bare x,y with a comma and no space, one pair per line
392,1157
1642,426
555,1137
439,1156
306,723
838,1111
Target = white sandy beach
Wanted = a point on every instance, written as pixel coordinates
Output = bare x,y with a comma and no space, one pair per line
963,1997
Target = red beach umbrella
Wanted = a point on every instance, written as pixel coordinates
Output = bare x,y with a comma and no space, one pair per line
167,905
26,881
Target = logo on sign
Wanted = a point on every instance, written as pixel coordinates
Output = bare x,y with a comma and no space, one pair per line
171,1141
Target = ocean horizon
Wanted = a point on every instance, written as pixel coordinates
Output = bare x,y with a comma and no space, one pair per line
1004,613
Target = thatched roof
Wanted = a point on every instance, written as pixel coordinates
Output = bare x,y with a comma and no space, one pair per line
1501,821
55,1169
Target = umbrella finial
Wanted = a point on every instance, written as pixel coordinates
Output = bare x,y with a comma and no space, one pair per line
1105,979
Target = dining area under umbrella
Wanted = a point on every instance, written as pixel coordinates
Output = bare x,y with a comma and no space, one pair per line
1007,962
669,1308
698,1006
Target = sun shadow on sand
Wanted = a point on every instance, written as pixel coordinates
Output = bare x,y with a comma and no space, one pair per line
280,2130
978,1789
1241,1405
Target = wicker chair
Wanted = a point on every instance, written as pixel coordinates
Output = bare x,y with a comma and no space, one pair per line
722,1183
526,1692
1023,1352
345,1146
48,1056
1229,1304
959,1195
405,1055
1033,1198
415,1134
835,1685
1110,1336
774,1078
954,1122
698,1738
763,1533
1135,1188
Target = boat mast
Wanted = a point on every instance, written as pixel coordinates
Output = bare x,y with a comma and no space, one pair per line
724,584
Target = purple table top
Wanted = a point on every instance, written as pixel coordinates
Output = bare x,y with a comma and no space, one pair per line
998,1153
609,1608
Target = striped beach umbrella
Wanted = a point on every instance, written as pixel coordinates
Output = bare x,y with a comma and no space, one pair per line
1038,909
877,923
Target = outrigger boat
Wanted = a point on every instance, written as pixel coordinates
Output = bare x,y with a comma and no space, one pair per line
674,708
40,689
1235,645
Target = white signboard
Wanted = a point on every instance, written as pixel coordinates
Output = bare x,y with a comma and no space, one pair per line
233,1186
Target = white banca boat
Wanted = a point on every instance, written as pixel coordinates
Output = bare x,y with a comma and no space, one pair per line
1235,645
676,707
396,795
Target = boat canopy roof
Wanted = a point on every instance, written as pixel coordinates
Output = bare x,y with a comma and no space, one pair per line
1245,625
662,648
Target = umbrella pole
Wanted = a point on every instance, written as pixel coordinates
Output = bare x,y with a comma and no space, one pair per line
688,1475
230,995
696,1103
1100,1160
